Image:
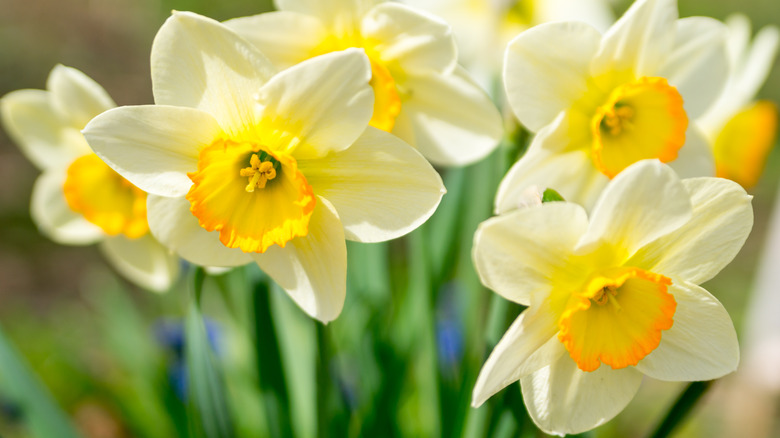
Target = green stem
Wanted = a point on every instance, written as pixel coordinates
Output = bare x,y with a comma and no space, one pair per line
421,284
271,373
196,283
323,381
681,408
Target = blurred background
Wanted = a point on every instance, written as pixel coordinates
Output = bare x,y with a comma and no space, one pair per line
105,348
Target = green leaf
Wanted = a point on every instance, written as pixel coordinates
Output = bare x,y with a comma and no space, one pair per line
40,412
208,409
272,375
551,195
681,408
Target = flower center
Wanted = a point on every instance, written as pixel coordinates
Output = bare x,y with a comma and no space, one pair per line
631,309
640,120
225,196
260,171
606,294
104,198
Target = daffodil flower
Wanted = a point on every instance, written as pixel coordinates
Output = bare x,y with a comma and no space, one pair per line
421,95
601,103
742,131
613,296
483,28
78,199
246,164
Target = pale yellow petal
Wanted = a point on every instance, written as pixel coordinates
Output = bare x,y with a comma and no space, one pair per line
200,63
410,40
546,69
702,343
153,146
285,37
41,134
721,221
698,66
552,162
640,40
516,354
319,106
312,269
454,122
174,226
644,202
562,399
381,187
54,217
524,255
75,96
339,15
695,158
143,261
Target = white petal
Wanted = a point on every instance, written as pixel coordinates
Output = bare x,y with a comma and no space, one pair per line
322,104
454,122
640,40
517,354
522,254
75,96
54,218
702,343
722,219
570,171
341,15
546,69
750,66
597,13
698,66
200,63
153,146
381,187
41,134
285,37
754,68
143,261
174,226
312,269
562,399
413,40
644,202
695,158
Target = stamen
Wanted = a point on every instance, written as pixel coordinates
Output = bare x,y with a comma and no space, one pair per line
618,119
607,293
259,172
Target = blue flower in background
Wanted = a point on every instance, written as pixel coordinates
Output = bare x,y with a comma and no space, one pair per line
170,334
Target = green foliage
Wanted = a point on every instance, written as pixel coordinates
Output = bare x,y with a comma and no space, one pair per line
209,413
39,412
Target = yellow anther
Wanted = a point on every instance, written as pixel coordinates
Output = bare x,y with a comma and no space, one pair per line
606,294
618,119
259,173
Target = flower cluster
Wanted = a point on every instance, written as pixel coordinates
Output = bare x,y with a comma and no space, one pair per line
275,138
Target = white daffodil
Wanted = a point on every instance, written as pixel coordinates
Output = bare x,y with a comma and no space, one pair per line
741,130
601,103
421,94
245,164
78,199
612,296
484,27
